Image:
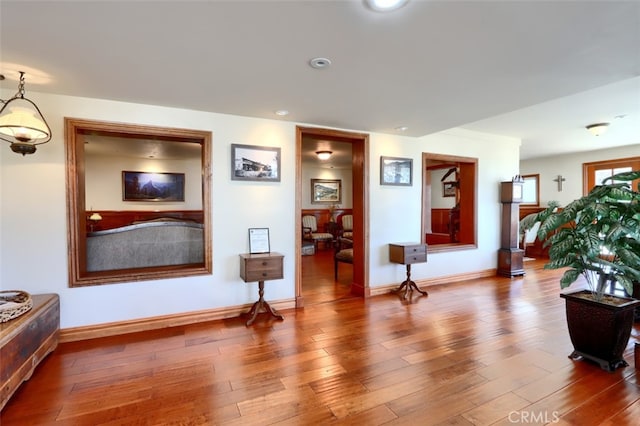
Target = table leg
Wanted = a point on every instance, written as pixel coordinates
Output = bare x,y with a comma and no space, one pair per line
408,285
261,305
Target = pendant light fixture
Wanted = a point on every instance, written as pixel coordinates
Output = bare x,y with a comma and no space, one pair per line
22,123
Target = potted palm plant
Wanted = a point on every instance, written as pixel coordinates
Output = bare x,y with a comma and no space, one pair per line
597,237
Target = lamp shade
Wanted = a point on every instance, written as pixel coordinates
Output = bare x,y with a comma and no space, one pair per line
22,123
95,216
324,155
598,128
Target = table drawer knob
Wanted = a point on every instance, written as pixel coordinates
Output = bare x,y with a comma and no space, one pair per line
264,274
264,263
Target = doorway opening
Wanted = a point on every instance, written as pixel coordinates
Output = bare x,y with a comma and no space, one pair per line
328,208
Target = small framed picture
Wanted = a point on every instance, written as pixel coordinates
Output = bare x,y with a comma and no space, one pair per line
259,240
448,189
256,163
145,186
326,191
396,171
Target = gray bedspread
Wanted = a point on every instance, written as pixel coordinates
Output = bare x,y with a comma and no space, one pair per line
154,243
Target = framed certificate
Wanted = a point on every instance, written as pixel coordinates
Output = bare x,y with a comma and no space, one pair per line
259,240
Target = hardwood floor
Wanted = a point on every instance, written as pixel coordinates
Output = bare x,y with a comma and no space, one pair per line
488,351
318,282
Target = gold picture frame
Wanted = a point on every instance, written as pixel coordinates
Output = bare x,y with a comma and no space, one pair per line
326,191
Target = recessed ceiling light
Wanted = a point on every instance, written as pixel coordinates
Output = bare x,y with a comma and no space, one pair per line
384,5
282,112
402,128
320,63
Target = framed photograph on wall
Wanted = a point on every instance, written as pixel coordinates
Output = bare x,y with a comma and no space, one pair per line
256,163
146,186
326,191
448,189
396,171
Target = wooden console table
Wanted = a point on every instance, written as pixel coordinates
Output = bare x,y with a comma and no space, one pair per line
25,341
261,267
408,254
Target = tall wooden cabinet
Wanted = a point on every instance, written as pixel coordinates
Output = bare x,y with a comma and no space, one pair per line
510,257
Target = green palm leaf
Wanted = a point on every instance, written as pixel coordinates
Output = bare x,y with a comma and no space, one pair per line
569,277
597,236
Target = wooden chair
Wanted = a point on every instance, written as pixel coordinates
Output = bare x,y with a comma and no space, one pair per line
310,231
347,226
344,254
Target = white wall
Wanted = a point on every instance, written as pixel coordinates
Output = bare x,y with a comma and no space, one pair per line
33,234
570,167
396,210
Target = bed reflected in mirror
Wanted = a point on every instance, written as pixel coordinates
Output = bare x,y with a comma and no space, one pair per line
138,202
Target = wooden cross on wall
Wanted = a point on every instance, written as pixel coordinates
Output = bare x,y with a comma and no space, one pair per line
559,179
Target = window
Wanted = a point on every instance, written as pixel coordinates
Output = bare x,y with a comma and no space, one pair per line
594,173
531,190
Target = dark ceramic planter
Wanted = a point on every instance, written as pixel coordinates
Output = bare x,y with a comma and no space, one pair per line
636,295
599,331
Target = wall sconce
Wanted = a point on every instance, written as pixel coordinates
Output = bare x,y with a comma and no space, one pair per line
324,155
598,128
22,123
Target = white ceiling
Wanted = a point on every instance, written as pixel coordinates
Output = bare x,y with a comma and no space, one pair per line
537,70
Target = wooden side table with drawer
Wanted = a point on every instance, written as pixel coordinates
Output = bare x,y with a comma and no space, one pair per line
261,267
408,254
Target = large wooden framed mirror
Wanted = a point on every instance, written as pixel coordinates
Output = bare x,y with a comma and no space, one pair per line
449,201
138,202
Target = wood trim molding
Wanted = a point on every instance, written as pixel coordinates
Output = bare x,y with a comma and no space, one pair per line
360,207
466,197
430,282
75,131
75,334
589,170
